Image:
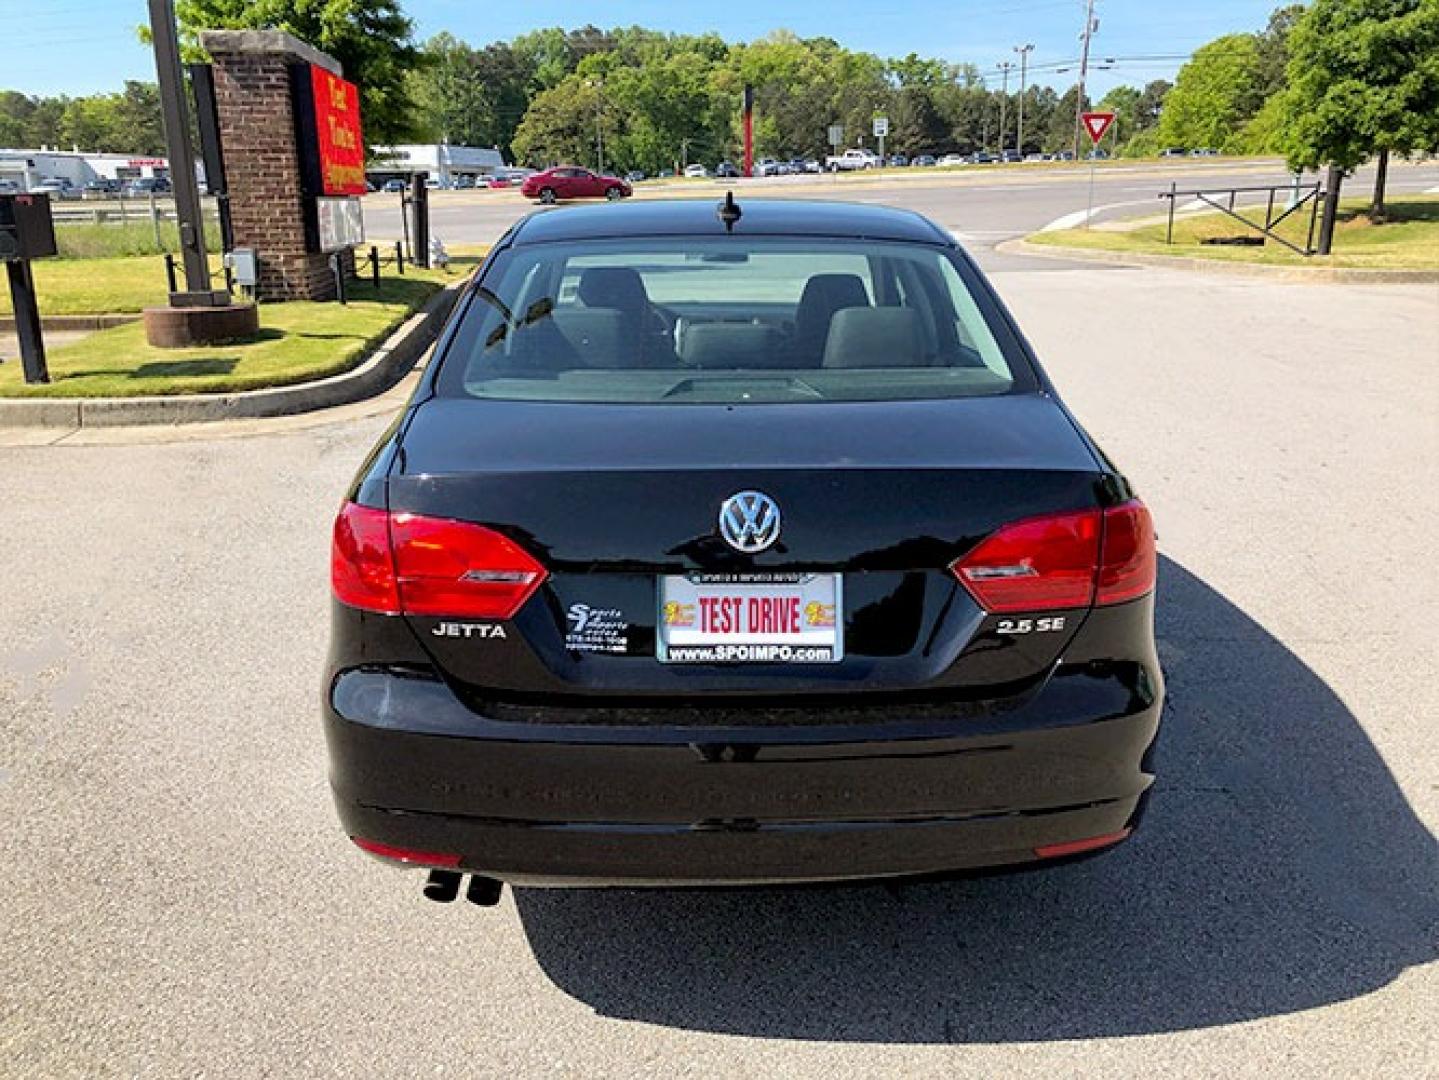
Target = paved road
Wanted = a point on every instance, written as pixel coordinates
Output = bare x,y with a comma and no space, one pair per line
178,899
984,206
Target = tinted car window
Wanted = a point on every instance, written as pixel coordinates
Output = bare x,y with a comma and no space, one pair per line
732,320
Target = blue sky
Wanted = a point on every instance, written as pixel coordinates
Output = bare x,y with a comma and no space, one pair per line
83,46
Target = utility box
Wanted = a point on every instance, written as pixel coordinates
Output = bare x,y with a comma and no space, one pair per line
27,230
244,266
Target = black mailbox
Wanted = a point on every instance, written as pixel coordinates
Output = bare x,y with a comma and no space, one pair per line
26,229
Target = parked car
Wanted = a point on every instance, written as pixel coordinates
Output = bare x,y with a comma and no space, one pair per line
898,160
495,182
1036,156
983,157
727,170
1011,157
148,185
923,161
1098,155
769,167
696,171
9,187
394,186
851,160
464,183
100,189
629,598
57,189
634,176
573,182
1206,151
1064,155
1174,151
953,159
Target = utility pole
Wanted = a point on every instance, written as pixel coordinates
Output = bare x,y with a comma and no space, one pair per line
599,85
1004,68
1090,25
1024,51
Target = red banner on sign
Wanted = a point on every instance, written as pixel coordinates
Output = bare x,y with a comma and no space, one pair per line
337,127
1097,123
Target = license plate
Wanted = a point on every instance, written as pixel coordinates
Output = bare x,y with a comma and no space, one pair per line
750,618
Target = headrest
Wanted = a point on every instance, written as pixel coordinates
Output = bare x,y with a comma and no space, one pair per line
598,335
731,345
874,337
613,287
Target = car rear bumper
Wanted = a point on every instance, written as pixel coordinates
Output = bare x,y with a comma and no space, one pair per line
413,767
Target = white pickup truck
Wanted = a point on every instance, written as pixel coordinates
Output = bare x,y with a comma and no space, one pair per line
852,159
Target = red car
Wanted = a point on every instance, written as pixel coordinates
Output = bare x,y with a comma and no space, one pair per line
572,182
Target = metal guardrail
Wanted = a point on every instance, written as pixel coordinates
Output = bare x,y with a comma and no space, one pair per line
1311,194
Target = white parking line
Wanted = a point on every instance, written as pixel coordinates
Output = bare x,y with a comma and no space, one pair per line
1079,217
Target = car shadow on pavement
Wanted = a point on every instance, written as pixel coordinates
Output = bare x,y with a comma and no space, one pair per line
1280,868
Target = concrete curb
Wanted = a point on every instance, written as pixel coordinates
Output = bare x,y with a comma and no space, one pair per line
382,369
1319,275
73,322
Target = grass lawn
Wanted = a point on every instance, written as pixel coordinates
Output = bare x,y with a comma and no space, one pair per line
298,341
1409,240
113,286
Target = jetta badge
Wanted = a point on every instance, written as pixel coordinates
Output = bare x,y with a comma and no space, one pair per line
749,521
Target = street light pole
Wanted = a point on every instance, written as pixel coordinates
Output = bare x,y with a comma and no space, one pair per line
1089,25
1024,51
1004,69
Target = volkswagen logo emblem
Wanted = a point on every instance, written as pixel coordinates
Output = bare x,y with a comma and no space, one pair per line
749,521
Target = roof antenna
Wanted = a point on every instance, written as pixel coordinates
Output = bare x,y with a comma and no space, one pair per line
728,211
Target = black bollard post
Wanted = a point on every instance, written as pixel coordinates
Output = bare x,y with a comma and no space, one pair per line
338,269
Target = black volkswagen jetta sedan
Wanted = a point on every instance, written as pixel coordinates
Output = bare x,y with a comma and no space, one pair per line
737,545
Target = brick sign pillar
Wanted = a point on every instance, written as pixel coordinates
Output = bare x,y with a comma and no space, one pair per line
262,158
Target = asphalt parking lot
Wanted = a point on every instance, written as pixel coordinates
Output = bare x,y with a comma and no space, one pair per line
179,900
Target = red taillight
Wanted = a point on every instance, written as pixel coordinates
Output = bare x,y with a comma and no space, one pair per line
1039,564
456,568
362,572
406,855
1129,564
1075,847
406,563
1055,562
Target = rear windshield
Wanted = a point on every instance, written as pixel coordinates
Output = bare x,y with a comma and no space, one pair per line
730,320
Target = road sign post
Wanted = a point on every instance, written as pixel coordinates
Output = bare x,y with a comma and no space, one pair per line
881,129
1097,124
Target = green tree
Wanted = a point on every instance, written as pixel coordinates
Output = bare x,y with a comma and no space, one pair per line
1216,92
43,126
372,39
139,127
1060,136
1124,102
1274,48
470,97
561,125
1363,80
16,110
